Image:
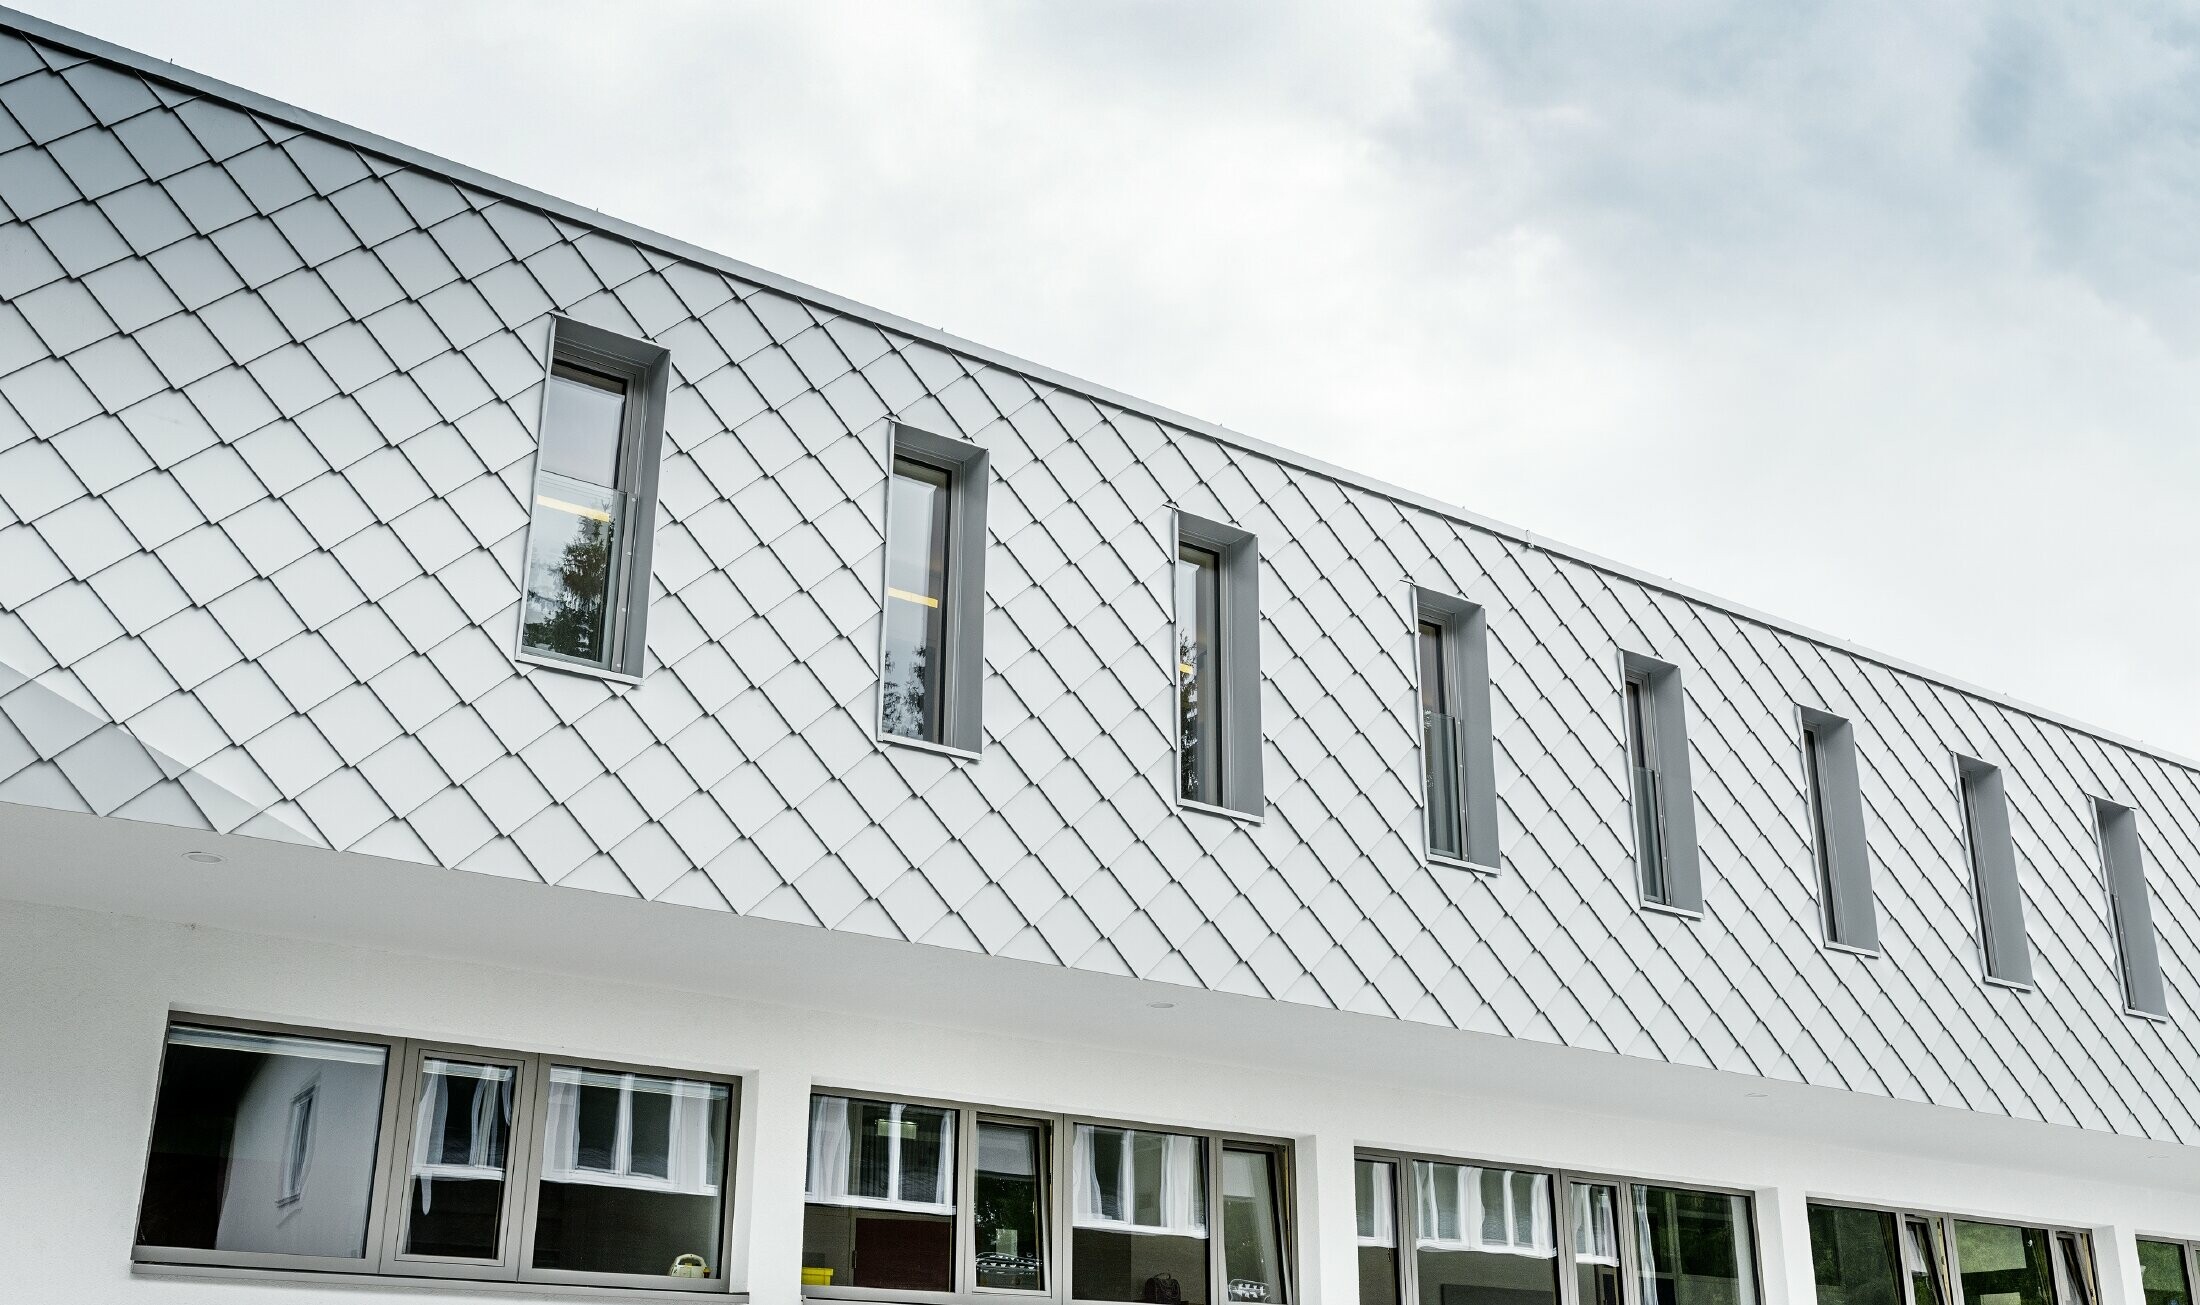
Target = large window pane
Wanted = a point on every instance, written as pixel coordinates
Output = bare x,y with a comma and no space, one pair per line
1693,1248
1596,1243
880,1207
633,1172
2000,1265
1856,1256
1376,1199
1009,1200
1139,1215
263,1143
1483,1236
1252,1226
1199,702
915,654
2164,1276
462,1123
571,569
583,419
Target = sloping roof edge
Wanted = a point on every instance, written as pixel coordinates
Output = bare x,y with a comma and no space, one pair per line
80,43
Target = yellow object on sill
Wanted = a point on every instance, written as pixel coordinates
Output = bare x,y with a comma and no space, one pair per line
560,505
817,1277
907,597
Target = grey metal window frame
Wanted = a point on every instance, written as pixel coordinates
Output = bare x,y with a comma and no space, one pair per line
1833,806
2130,910
1990,859
646,367
389,1192
1239,741
1057,1129
1405,1220
1951,1259
1463,650
968,468
1664,700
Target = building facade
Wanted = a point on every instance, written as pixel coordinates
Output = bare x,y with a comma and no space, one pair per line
1036,844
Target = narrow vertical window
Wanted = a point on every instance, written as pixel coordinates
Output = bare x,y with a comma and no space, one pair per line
1833,794
1656,726
1375,1197
1921,1260
595,496
1459,786
1597,1272
2138,955
2006,954
461,1136
1214,587
1252,1225
1198,650
916,602
1009,1193
931,659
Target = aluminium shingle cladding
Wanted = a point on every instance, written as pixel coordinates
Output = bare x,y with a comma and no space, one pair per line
267,431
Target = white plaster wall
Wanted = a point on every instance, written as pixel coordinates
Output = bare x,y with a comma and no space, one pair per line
84,996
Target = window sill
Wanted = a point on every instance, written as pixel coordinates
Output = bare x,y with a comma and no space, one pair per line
1677,912
2010,985
2147,1015
1227,813
534,662
1442,862
926,745
451,1286
1867,953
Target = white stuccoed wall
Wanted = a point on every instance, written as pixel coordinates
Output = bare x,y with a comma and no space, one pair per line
83,999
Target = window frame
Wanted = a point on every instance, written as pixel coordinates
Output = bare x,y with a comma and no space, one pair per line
1238,739
390,1191
1462,632
2132,929
1942,1226
1664,710
1990,850
2188,1246
1834,824
968,469
646,368
1056,1132
1405,1220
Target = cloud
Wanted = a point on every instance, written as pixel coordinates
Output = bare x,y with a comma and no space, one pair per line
1880,317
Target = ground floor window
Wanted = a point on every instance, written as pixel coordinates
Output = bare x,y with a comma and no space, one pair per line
1488,1232
957,1200
1863,1256
282,1148
2167,1270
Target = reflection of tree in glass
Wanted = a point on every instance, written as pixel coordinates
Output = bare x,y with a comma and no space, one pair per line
567,614
1187,689
902,687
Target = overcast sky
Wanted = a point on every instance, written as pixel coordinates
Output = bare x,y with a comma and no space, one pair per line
1880,319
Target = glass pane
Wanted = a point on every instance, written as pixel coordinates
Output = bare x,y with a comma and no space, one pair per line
1596,1243
571,564
462,1124
263,1143
1009,1202
2074,1268
1649,827
916,602
1197,675
1856,1256
1925,1283
1376,1198
2164,1276
1481,1235
1139,1216
881,1195
2000,1265
614,1201
1693,1248
582,416
1252,1226
1430,645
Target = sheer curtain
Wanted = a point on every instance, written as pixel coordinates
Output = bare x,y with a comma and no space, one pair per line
835,1147
1179,1187
1455,1215
691,1157
487,1118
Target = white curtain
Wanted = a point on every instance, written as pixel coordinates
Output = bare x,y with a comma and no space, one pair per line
1179,1187
488,1117
1378,1223
691,1160
1513,1217
836,1147
1596,1225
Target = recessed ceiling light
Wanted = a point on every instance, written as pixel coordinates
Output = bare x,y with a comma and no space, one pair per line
1161,1005
204,858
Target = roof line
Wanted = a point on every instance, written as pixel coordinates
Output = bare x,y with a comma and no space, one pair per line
93,47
